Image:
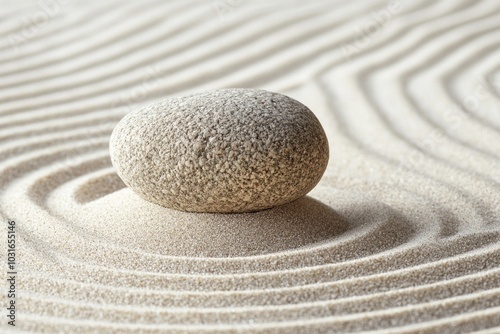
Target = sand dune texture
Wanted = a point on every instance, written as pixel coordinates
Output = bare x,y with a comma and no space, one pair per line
402,234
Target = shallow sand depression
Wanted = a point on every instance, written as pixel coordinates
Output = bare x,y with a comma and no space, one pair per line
401,235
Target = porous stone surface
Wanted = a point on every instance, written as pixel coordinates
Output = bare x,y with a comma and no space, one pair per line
228,150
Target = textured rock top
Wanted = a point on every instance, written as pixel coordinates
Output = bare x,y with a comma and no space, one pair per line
228,150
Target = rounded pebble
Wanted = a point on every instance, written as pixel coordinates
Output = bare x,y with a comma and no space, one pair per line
228,150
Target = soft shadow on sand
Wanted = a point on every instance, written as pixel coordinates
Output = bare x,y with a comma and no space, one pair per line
126,219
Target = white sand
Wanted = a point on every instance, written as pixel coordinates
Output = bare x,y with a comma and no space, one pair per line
402,235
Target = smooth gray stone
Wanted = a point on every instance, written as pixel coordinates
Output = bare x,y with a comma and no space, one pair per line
228,150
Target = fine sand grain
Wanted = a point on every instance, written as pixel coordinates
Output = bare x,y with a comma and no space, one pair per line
401,235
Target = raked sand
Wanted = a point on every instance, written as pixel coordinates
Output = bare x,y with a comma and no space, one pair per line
402,234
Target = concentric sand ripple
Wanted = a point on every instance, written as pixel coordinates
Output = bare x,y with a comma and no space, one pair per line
402,235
